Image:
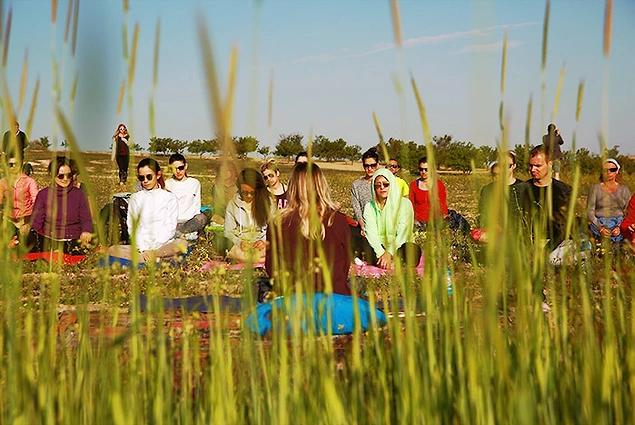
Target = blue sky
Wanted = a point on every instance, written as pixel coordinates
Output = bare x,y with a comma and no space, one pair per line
333,63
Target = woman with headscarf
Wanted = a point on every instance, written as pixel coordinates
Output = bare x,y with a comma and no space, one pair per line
607,201
389,222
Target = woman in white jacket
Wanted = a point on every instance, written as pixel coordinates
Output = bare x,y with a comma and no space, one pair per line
152,218
246,219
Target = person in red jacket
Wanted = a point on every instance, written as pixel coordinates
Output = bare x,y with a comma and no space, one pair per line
427,209
628,224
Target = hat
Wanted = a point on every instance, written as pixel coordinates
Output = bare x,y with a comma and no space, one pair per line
614,161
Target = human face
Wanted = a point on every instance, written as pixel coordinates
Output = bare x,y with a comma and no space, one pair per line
272,178
539,168
423,170
179,169
381,186
393,166
14,166
610,171
148,178
247,193
122,129
370,165
64,176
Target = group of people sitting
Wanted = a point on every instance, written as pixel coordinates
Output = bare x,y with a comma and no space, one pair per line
297,227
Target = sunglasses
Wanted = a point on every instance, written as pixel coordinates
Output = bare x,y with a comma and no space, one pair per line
612,170
180,168
247,193
381,185
393,166
147,177
12,164
423,169
267,176
63,176
370,165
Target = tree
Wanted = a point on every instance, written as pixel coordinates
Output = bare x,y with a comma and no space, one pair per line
159,145
65,144
42,143
289,145
441,147
353,153
264,151
201,147
245,145
178,146
136,147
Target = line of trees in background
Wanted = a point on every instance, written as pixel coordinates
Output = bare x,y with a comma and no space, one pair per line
450,154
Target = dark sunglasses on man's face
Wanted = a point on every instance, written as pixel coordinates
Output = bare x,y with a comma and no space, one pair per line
147,177
373,165
62,176
393,166
423,169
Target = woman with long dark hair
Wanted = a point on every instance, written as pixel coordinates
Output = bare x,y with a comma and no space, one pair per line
246,218
121,152
311,234
61,213
152,218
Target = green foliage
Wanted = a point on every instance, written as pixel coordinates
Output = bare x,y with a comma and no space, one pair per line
201,147
328,150
41,144
245,145
289,145
136,147
264,151
353,153
165,145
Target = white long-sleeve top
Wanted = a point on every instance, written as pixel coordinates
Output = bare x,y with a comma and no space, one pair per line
188,195
154,213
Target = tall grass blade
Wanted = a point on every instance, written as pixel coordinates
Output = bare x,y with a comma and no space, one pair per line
7,35
36,90
122,91
543,64
67,27
231,85
133,58
503,73
578,107
155,62
75,20
556,102
382,144
53,11
73,93
528,122
608,27
25,71
396,22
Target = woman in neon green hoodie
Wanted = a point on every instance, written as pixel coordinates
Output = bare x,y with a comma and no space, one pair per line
388,223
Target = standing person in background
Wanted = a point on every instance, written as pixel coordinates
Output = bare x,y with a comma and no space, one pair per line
552,141
607,201
121,152
393,166
293,240
17,197
427,209
188,194
271,174
14,142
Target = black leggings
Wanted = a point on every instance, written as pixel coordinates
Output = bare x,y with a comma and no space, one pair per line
122,162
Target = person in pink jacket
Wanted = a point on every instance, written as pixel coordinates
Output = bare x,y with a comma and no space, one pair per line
17,196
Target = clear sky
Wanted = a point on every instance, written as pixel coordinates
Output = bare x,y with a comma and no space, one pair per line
333,64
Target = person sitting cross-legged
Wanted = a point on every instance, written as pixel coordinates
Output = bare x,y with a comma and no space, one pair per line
389,222
310,241
188,194
17,197
61,214
152,218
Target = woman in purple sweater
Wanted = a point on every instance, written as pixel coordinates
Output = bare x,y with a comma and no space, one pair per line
61,214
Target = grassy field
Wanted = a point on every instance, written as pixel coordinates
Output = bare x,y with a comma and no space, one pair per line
76,349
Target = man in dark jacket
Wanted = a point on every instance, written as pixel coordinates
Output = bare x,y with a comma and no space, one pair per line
14,142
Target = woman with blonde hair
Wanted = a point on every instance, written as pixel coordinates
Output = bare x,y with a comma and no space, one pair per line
310,234
271,174
121,152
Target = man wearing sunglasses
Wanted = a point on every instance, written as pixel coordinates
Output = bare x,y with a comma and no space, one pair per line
19,191
188,193
393,166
